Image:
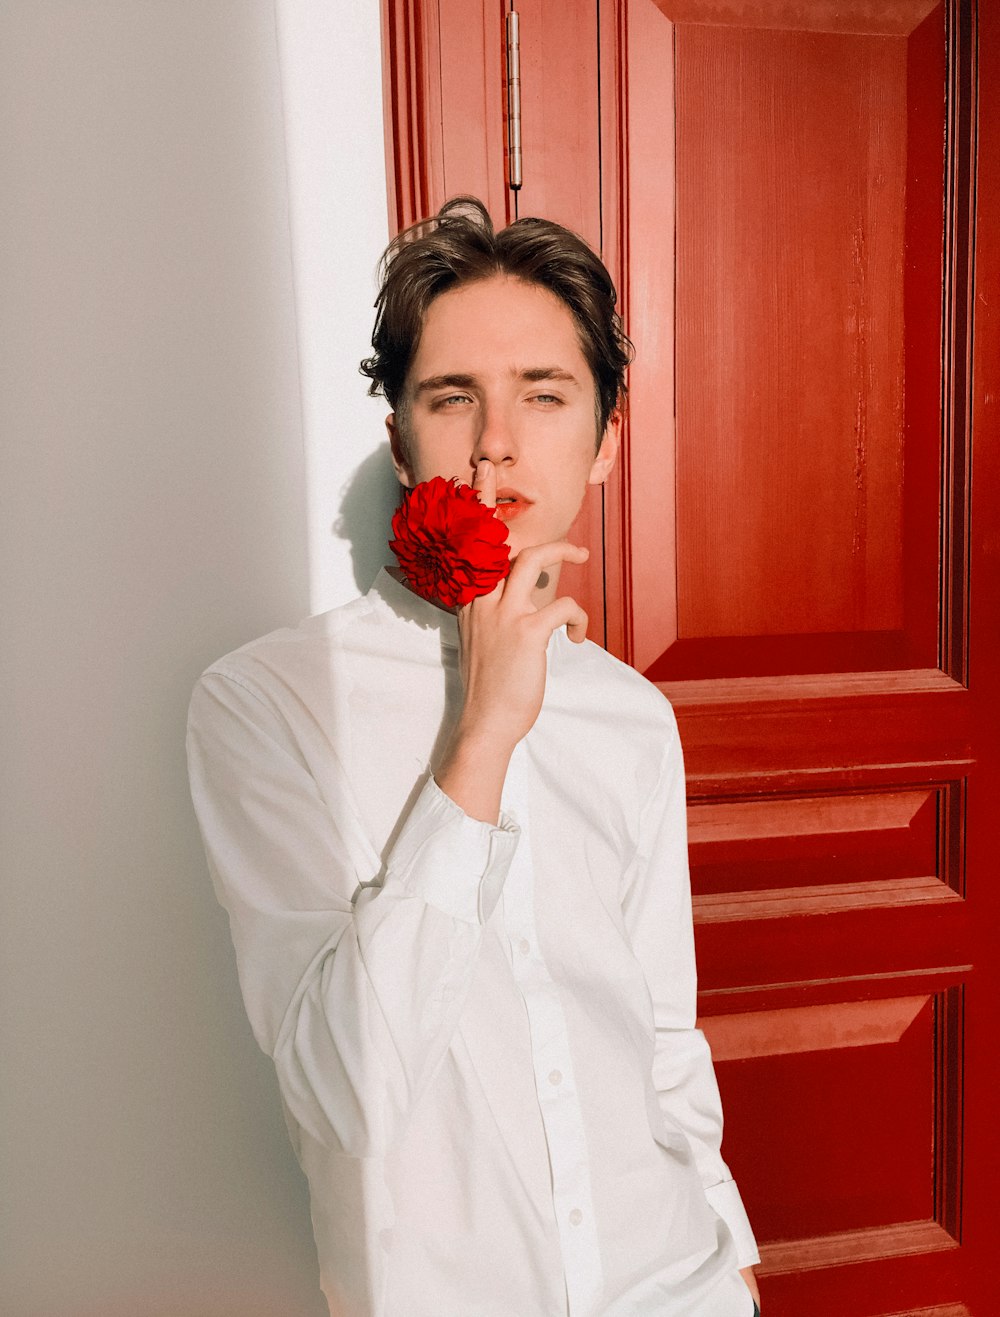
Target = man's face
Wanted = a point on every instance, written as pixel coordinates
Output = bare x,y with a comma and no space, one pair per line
499,374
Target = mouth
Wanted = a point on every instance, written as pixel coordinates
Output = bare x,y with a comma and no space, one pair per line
511,504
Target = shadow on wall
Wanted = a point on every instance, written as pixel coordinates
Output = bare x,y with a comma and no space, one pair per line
367,502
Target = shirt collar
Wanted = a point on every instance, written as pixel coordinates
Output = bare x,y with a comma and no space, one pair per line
413,609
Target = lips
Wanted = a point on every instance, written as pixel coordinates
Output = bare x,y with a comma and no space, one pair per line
516,505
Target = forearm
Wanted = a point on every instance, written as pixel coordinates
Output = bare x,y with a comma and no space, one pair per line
472,772
503,638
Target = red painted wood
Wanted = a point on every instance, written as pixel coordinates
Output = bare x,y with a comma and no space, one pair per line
789,553
865,839
789,333
799,408
795,548
821,1096
561,169
614,193
887,17
444,114
637,50
922,321
983,994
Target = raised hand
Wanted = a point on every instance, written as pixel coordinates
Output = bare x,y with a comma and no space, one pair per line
503,638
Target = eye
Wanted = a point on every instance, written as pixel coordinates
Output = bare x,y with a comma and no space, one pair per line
452,400
546,398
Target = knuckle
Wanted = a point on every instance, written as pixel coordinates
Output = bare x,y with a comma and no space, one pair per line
528,556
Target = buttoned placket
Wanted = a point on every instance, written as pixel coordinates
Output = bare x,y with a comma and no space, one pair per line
558,1100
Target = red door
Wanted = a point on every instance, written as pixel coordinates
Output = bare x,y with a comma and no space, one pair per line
800,204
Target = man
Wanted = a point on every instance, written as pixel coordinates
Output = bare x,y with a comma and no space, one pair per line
452,845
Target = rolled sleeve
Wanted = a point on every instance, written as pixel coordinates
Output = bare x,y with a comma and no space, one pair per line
451,861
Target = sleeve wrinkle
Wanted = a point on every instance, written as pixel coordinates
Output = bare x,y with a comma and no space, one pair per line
357,993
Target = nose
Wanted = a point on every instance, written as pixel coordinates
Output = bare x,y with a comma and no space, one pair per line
495,439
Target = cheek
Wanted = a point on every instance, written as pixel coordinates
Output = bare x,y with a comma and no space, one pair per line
578,473
443,450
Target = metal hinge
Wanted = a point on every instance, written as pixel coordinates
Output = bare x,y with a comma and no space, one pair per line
513,101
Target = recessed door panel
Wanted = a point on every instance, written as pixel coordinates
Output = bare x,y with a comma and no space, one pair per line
809,212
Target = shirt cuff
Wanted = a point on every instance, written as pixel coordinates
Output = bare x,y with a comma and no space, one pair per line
725,1199
453,862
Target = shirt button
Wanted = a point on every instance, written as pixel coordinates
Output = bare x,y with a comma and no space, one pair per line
524,946
555,1078
575,1217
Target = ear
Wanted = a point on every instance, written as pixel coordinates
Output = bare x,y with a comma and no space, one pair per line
607,453
396,447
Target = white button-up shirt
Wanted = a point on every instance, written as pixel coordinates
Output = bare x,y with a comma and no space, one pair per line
484,1036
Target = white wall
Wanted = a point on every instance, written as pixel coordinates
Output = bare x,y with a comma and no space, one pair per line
171,465
331,79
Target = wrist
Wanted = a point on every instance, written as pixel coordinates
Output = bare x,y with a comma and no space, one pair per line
472,771
473,738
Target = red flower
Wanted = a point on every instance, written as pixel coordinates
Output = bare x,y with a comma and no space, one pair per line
450,545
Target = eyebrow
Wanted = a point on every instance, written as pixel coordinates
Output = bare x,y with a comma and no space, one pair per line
532,374
538,373
445,382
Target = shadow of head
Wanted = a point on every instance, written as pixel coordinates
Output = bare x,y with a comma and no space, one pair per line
367,503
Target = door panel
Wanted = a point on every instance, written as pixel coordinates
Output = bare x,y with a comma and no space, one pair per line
796,214
799,205
819,1062
790,381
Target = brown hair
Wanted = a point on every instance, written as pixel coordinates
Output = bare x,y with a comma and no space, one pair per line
459,246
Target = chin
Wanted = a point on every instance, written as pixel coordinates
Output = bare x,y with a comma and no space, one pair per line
518,542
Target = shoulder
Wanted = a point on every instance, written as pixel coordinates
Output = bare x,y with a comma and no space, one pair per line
598,681
272,659
621,727
283,677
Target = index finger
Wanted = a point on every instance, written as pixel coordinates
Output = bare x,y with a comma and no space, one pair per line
485,482
531,562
